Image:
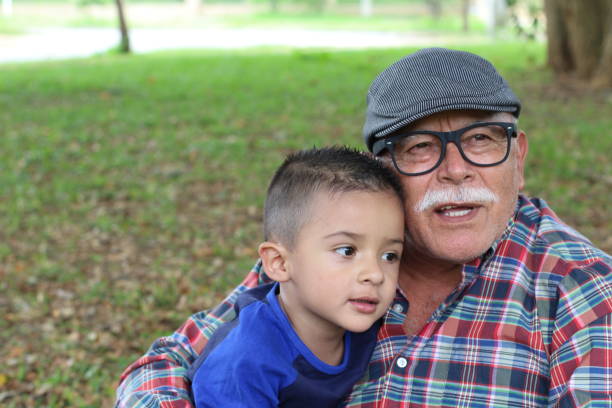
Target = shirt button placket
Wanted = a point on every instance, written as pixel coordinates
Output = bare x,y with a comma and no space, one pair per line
401,362
401,382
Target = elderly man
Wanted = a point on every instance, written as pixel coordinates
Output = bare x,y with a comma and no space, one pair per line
499,303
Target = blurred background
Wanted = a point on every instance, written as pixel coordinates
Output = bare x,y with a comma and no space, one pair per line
137,140
58,29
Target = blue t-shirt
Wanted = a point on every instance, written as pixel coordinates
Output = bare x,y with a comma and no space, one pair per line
257,361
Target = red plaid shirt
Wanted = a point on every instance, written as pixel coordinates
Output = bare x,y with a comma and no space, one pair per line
530,325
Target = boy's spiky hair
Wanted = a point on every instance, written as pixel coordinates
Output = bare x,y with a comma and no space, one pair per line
331,169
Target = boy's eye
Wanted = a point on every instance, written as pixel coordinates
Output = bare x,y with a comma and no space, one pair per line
345,251
390,257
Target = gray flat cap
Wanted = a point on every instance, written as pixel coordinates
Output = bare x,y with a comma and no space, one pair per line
433,80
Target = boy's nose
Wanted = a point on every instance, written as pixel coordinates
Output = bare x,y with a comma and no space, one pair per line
371,273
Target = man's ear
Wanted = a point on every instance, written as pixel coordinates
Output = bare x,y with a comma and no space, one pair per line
523,147
274,259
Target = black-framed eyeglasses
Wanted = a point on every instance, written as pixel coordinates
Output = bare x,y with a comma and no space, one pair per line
418,152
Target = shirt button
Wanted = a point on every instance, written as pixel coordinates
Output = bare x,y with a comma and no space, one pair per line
402,362
398,308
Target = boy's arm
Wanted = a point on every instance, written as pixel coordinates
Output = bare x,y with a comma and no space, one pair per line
242,382
247,367
159,378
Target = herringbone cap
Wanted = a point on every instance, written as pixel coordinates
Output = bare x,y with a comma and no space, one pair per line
433,80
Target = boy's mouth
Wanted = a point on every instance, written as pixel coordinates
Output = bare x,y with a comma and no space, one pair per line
372,301
364,304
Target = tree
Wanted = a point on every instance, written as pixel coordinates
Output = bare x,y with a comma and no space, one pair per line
465,15
579,37
435,8
124,45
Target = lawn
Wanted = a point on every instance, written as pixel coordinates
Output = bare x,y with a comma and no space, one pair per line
132,189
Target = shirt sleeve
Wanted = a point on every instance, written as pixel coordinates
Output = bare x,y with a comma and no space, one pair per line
581,358
243,383
159,378
248,368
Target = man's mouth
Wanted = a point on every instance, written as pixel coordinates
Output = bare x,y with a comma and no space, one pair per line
455,210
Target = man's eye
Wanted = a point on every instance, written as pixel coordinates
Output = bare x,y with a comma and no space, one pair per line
390,257
421,146
480,137
345,251
416,149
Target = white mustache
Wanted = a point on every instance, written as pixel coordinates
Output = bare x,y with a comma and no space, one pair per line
456,195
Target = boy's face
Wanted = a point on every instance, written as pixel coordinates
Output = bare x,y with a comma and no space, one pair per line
343,267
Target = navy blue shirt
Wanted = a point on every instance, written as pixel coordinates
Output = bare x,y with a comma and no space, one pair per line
257,361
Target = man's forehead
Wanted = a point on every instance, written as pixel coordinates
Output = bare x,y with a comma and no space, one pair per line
458,119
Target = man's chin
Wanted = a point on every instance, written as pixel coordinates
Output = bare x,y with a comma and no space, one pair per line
458,248
458,254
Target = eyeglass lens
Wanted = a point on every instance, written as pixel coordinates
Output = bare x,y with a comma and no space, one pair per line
484,145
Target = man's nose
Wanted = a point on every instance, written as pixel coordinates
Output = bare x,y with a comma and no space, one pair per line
454,168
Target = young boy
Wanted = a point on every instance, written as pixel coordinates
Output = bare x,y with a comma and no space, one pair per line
334,232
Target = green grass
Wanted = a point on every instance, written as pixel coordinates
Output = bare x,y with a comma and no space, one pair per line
132,189
399,23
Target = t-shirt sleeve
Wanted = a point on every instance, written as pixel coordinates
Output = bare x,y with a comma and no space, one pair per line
247,369
241,383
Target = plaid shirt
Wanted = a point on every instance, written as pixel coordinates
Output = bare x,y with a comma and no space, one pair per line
530,325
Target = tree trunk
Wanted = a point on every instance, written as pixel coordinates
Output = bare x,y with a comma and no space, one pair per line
579,37
124,45
274,6
435,8
602,77
465,15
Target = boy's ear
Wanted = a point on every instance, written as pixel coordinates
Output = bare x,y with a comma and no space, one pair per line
274,259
